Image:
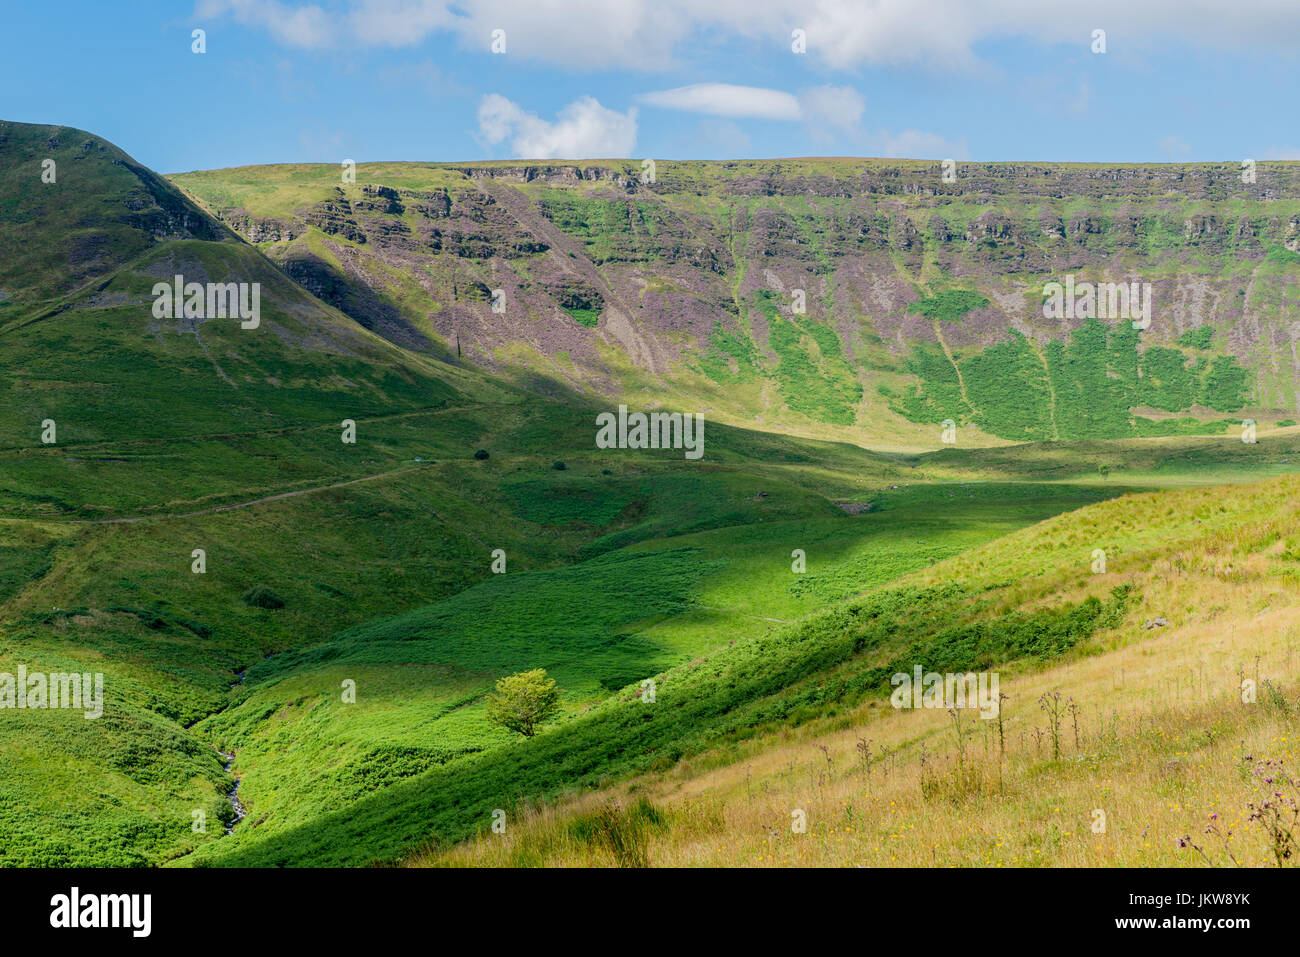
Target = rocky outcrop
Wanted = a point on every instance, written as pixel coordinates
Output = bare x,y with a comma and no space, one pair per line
674,268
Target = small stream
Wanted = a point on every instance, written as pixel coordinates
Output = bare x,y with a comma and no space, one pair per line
233,794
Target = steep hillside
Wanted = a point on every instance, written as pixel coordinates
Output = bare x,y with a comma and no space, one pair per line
102,388
74,207
860,299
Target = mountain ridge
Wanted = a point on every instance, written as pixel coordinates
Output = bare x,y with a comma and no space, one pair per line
623,287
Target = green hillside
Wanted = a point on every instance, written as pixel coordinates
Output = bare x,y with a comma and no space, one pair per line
1015,603
242,526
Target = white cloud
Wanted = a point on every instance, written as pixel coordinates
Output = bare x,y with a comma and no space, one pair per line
397,23
583,130
292,25
842,34
823,107
829,114
581,34
726,99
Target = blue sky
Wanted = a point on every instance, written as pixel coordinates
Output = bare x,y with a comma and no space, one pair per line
283,81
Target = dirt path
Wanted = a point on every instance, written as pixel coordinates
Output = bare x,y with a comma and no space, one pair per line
743,614
146,443
1051,389
961,382
254,501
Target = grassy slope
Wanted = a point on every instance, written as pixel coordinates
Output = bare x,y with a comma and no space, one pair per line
330,555
121,598
1163,745
159,418
597,627
1017,603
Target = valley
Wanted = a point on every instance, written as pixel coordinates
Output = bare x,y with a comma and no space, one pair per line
317,685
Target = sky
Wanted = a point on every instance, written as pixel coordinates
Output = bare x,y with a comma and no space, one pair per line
278,81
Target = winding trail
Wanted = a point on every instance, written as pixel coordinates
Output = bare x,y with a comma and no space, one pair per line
254,501
961,382
743,614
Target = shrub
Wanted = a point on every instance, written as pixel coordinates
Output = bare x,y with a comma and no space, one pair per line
949,305
1199,338
261,597
624,832
481,454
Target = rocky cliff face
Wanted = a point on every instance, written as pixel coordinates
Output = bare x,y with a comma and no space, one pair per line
836,296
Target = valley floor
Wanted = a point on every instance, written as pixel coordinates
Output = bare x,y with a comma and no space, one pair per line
769,665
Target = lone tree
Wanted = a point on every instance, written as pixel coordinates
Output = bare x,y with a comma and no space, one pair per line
522,702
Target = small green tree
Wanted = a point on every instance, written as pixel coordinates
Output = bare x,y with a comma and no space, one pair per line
522,702
1103,470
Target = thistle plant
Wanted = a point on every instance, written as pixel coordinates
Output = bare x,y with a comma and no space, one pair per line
1050,703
